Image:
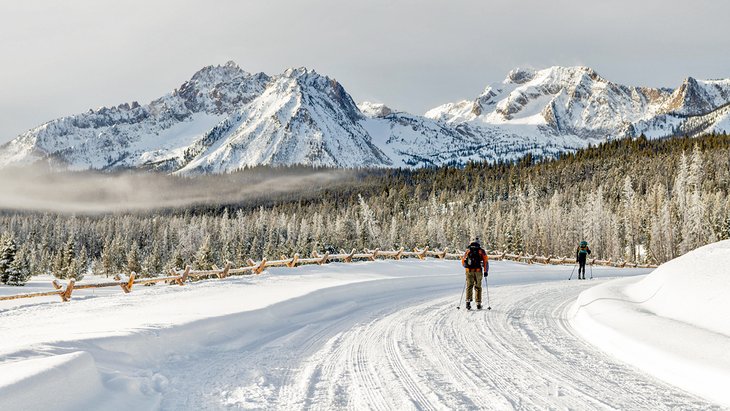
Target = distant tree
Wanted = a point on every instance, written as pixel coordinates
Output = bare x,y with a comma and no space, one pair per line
19,270
204,256
107,260
58,265
152,264
8,251
82,260
133,264
176,262
69,263
369,222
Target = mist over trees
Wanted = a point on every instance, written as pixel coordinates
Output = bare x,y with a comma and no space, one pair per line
634,200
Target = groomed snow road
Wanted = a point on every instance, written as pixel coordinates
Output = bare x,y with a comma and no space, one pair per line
401,344
382,335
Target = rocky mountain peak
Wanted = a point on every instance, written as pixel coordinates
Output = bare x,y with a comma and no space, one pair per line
309,85
220,89
520,75
374,110
697,97
214,74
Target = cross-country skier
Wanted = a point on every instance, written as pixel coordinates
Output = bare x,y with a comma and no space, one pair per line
581,254
474,260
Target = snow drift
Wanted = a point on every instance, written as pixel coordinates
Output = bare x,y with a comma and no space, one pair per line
674,323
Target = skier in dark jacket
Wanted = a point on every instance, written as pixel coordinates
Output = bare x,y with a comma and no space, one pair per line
581,255
474,260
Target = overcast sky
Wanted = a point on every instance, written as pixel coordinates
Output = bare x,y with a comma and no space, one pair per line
64,57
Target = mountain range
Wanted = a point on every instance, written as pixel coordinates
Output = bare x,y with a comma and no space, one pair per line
225,118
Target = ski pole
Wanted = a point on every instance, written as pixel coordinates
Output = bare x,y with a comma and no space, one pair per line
591,270
486,288
462,295
572,271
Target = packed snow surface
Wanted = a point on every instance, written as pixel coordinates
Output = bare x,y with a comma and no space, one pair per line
371,335
673,323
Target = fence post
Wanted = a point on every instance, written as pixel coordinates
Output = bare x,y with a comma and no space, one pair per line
224,272
443,254
127,285
375,254
324,258
421,254
293,262
182,278
348,258
261,267
400,254
66,294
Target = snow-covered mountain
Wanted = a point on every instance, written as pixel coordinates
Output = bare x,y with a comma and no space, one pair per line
131,135
576,101
224,119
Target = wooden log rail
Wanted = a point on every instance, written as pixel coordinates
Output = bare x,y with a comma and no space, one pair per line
180,277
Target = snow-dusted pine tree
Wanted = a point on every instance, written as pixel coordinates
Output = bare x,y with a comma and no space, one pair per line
8,250
19,272
204,256
133,264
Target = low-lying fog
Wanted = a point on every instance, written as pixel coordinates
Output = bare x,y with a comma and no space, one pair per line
38,189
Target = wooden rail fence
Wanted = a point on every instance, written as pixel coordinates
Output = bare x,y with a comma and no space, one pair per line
180,277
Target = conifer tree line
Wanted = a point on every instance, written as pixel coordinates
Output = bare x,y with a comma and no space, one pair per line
635,200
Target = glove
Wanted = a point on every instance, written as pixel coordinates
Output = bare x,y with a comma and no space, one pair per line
486,274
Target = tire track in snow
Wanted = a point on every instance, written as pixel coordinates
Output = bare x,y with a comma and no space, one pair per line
395,349
521,355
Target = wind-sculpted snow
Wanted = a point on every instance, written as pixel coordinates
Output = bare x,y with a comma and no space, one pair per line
376,335
224,119
673,323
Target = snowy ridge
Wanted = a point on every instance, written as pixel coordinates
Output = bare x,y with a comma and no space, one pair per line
131,135
301,117
673,323
224,118
577,101
370,109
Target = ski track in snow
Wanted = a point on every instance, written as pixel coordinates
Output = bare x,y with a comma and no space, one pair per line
382,351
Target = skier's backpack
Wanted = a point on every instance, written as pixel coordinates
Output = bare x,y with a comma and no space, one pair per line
473,258
583,249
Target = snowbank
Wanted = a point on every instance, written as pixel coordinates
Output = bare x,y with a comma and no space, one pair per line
60,382
673,323
694,288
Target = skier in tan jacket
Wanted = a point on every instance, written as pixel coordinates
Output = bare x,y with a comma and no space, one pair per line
475,260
